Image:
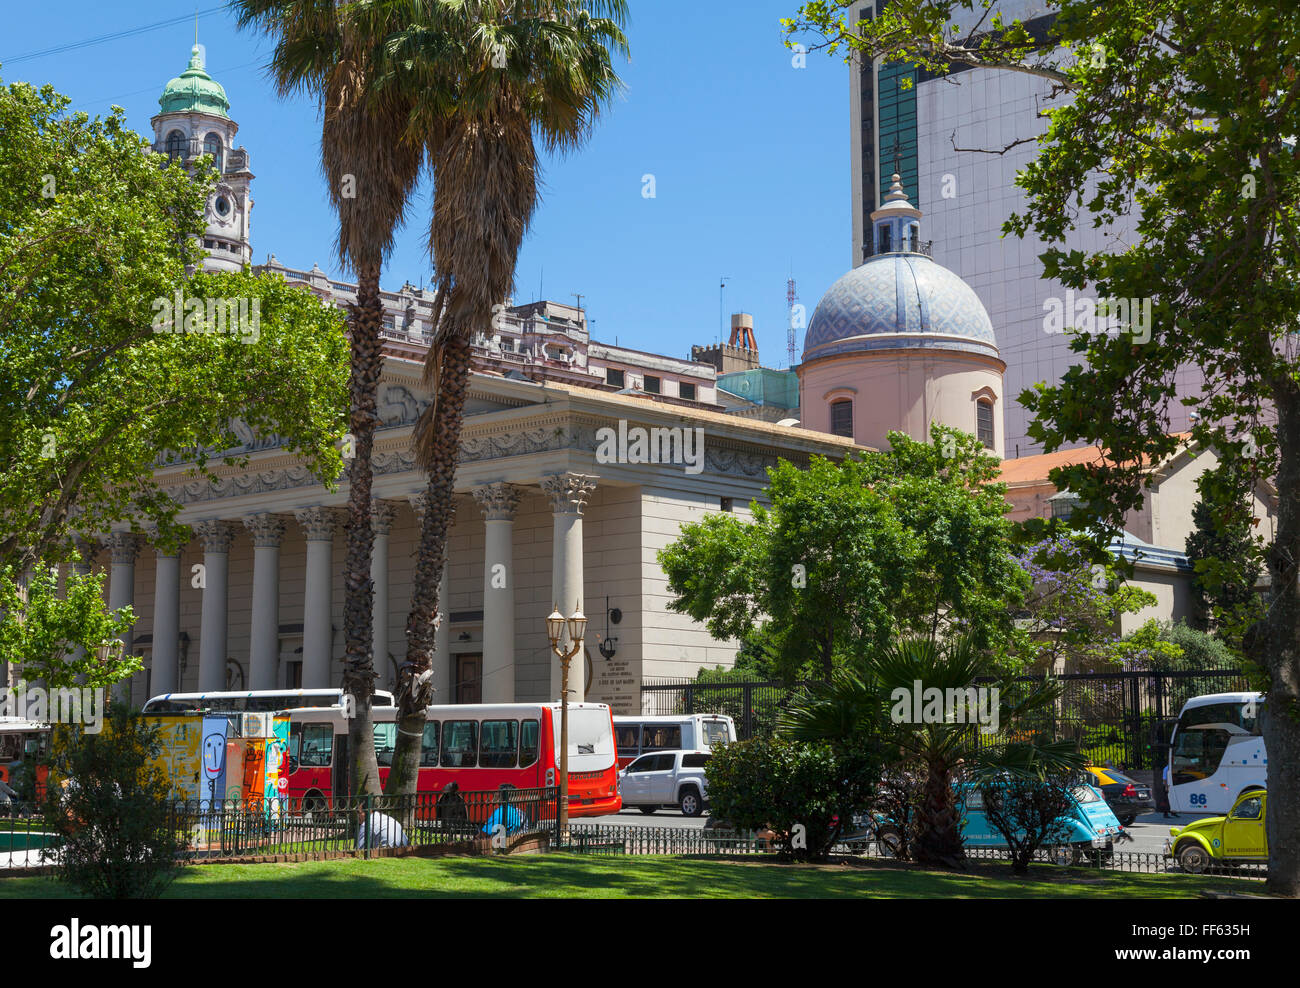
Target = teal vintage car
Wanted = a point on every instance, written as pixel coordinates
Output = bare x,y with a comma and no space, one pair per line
1090,827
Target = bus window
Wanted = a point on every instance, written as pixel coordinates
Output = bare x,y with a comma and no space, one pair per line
628,737
498,743
659,737
11,747
1198,753
529,742
429,746
460,744
385,744
312,745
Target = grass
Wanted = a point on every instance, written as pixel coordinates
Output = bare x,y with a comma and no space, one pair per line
578,876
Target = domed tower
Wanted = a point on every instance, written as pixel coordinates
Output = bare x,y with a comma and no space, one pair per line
194,120
900,343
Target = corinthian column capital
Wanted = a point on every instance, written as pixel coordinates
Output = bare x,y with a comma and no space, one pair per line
497,501
568,492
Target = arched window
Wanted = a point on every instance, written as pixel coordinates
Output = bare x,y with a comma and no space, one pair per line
176,146
212,146
842,418
984,422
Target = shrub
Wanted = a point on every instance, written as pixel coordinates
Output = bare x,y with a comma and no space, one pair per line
1027,812
108,801
806,793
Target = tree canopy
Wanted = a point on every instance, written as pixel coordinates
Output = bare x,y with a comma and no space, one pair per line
100,380
910,540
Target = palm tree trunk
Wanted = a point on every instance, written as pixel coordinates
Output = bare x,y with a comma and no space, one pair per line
938,838
358,606
415,691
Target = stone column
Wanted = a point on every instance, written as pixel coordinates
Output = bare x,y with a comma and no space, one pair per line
318,525
498,503
267,531
442,635
123,549
217,537
166,622
382,516
568,493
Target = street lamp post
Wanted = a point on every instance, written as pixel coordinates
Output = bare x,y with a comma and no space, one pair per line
577,622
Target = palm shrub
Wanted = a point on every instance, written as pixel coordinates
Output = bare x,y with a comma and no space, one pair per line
873,699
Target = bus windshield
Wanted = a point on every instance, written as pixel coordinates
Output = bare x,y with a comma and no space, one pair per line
591,739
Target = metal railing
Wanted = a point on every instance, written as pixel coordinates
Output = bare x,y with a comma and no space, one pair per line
607,839
313,828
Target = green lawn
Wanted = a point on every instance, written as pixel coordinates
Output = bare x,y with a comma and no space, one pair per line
578,876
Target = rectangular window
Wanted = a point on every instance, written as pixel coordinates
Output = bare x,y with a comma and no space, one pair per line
429,746
385,744
614,378
628,738
842,419
499,740
687,391
529,742
656,737
652,384
460,744
312,744
984,423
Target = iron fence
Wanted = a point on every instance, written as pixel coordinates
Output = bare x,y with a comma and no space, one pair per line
1118,718
313,828
605,839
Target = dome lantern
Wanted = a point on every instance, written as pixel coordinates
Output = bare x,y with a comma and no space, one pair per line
897,223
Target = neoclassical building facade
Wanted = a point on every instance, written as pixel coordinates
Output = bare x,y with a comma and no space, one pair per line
544,518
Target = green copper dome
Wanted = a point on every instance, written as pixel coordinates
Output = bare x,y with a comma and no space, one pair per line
195,92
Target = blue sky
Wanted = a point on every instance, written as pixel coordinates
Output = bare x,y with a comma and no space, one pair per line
749,154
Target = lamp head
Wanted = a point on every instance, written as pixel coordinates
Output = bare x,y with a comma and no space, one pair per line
577,625
555,626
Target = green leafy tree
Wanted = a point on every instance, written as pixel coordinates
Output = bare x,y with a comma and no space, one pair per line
910,540
99,382
107,801
1184,113
1222,549
62,638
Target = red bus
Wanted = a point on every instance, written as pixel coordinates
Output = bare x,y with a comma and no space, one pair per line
479,746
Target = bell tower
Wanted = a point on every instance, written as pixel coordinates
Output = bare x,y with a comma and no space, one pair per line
194,120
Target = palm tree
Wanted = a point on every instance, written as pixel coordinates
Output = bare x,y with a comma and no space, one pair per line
865,700
488,81
329,52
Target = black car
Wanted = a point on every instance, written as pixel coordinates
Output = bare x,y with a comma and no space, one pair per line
1126,797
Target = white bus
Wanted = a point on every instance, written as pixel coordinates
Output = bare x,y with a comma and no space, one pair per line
690,732
242,701
1216,752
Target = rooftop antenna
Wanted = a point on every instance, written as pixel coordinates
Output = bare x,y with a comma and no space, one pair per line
722,307
578,296
791,296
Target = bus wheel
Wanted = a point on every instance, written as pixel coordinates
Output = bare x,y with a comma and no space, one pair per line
890,842
1192,858
691,803
647,810
312,804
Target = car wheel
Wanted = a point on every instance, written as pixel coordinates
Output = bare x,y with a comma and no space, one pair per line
691,803
1127,821
890,842
1193,859
647,810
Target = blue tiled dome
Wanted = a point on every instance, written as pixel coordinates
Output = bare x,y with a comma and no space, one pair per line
899,300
